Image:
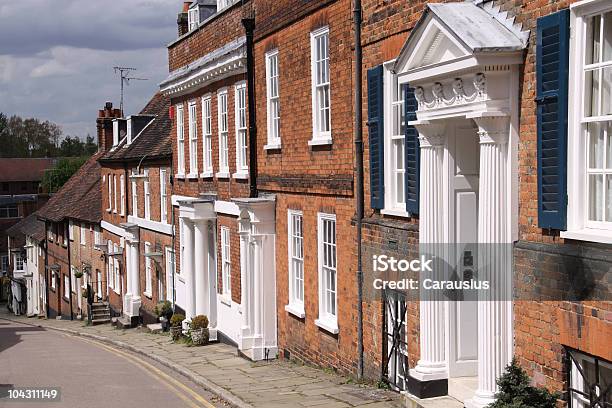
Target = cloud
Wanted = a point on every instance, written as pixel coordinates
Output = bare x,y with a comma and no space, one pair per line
57,56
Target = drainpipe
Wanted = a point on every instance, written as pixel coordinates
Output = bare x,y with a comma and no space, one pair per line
67,237
359,171
249,28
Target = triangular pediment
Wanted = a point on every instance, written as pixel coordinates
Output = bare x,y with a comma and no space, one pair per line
435,46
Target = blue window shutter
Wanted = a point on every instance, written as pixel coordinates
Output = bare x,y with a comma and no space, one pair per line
412,152
376,136
552,66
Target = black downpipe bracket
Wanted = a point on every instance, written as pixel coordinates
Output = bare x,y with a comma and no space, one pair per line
359,173
249,28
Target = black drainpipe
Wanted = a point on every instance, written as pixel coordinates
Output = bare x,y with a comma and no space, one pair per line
359,171
249,28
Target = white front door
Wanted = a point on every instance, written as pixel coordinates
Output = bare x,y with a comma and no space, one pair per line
463,154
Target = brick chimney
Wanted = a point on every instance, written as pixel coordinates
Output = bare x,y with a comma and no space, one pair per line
183,20
104,125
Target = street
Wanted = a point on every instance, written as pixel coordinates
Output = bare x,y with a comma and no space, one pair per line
88,373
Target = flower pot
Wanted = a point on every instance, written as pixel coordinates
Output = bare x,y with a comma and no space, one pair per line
199,337
177,332
164,323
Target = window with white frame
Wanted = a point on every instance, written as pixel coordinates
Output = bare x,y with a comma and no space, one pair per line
241,128
296,260
273,93
590,134
9,211
73,279
110,193
395,197
147,195
134,194
66,287
97,236
226,261
110,269
223,132
71,230
148,270
170,271
590,380
193,139
122,188
19,262
207,136
182,243
321,98
193,18
116,275
180,140
4,259
327,271
163,196
99,284
53,279
114,193
83,234
221,4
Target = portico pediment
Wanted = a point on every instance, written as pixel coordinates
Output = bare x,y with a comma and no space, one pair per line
457,37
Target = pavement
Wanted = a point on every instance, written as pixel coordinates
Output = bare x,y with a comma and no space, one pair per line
87,373
218,369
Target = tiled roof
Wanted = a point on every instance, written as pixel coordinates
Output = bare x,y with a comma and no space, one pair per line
24,169
30,226
154,140
80,198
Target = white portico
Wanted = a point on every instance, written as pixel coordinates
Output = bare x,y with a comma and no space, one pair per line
462,60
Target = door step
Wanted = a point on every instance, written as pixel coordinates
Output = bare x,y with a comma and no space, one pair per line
439,402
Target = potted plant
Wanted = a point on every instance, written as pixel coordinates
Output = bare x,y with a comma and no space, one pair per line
78,274
176,326
163,310
199,330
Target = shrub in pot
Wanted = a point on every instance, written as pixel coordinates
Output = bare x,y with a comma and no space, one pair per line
78,274
516,391
199,330
176,326
163,310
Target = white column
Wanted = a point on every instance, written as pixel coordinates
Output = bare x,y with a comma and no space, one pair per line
135,270
244,283
201,266
188,269
494,258
432,365
256,279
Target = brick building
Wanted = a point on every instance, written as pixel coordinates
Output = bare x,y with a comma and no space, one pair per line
20,195
488,147
137,221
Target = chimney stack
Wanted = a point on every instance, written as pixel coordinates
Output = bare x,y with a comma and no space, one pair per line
104,125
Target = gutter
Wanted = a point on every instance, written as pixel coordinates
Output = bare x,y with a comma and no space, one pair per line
359,174
249,28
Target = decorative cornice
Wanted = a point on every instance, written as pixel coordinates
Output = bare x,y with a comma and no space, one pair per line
458,97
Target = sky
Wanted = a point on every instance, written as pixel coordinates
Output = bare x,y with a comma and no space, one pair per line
57,56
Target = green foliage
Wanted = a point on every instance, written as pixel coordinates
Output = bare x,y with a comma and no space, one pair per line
515,391
164,309
177,320
199,322
56,177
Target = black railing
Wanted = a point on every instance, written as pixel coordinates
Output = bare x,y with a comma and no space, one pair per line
395,340
595,388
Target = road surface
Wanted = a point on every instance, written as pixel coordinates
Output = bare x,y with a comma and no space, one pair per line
88,373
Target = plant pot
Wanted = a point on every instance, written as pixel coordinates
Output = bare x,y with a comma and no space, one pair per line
199,337
177,332
164,323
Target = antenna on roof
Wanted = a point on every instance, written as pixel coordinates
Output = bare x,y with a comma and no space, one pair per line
125,80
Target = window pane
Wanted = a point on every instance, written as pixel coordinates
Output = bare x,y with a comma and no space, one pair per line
606,103
607,37
593,39
596,197
596,145
591,96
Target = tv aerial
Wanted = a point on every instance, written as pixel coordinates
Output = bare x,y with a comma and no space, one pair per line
125,80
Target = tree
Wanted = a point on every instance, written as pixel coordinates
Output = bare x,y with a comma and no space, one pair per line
56,177
515,391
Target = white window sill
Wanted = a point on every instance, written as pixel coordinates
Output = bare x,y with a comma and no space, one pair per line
223,175
327,325
114,211
117,292
273,146
192,176
108,210
179,176
395,212
295,310
240,175
323,141
589,234
180,278
148,295
207,174
225,299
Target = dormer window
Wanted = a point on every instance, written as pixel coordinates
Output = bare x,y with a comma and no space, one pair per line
221,4
193,18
